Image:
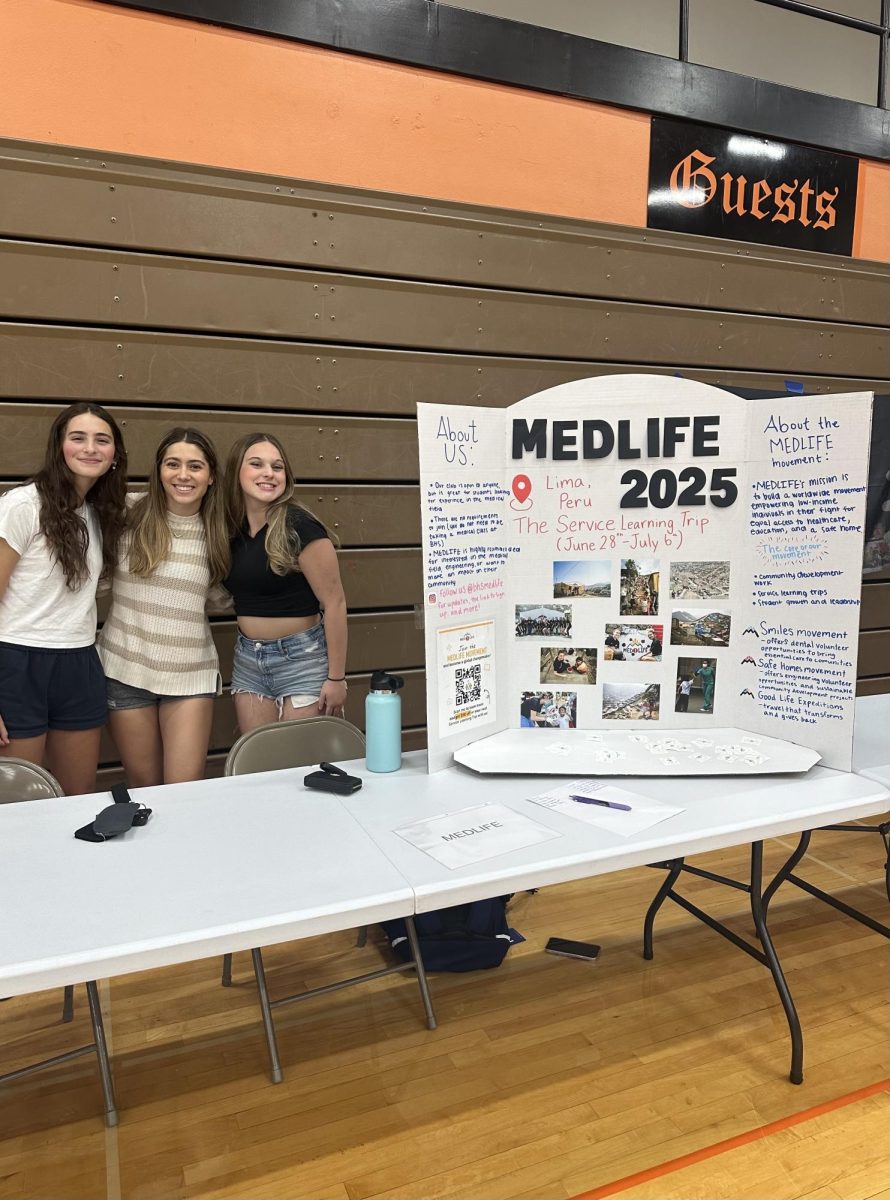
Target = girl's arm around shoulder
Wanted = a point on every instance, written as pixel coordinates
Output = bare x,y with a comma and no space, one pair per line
9,557
219,602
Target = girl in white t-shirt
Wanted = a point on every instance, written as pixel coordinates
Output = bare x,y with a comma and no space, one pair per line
58,535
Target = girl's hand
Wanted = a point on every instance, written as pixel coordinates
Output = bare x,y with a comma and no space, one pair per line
332,699
4,736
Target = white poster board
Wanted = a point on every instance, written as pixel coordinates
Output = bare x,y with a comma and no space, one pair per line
639,554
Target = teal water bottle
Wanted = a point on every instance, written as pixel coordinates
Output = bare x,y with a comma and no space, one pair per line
383,723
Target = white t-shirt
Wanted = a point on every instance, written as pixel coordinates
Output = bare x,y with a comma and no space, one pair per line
37,608
685,687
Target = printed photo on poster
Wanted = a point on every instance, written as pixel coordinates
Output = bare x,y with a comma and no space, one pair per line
466,677
699,580
631,701
544,620
548,710
700,627
633,643
696,681
640,581
572,665
591,580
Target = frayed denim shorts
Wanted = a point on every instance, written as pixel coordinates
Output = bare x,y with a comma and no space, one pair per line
295,666
127,695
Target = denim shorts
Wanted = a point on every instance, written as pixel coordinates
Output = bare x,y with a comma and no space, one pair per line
124,695
43,689
295,666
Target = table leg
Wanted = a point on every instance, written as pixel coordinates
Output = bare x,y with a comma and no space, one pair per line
785,870
758,911
266,1010
759,898
68,1003
421,973
787,875
674,866
111,1117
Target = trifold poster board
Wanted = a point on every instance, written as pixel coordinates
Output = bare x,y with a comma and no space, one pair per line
636,574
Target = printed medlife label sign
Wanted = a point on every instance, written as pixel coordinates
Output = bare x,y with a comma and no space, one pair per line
474,834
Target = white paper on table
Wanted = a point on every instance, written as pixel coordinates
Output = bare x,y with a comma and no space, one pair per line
642,815
474,834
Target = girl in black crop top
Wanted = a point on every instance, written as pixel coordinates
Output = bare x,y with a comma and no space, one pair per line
290,655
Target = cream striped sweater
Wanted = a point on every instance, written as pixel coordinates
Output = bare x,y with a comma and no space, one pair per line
157,635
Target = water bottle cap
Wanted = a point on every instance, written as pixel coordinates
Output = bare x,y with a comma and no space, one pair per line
382,681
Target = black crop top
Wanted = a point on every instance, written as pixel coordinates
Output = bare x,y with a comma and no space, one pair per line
256,589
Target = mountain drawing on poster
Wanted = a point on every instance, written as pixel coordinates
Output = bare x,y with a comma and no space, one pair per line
719,539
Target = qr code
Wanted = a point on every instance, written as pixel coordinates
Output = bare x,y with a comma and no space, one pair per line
468,684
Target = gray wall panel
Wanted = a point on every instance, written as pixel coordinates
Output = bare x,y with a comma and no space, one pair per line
64,284
261,221
198,371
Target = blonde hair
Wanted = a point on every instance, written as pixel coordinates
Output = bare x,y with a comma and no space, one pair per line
149,529
282,543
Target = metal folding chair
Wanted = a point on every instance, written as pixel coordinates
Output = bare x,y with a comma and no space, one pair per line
277,747
22,781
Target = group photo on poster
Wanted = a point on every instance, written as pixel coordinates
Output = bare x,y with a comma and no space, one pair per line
549,620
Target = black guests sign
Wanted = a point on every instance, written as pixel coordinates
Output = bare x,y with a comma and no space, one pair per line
736,185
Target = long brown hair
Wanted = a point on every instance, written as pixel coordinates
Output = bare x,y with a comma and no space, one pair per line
149,530
65,530
282,542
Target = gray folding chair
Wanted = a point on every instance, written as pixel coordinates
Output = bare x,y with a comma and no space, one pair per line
284,744
22,781
277,747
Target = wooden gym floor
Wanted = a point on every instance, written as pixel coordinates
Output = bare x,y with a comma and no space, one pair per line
548,1078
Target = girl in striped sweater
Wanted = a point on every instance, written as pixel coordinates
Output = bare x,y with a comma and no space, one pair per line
156,647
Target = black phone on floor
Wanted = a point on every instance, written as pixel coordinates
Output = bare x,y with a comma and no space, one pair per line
569,949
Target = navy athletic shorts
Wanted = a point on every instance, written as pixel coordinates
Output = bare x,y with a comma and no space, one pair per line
43,689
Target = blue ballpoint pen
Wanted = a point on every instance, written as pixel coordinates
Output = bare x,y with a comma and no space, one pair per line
601,803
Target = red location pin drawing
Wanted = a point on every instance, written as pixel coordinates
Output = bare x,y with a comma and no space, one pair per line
522,488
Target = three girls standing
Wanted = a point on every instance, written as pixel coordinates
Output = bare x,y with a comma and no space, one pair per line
70,526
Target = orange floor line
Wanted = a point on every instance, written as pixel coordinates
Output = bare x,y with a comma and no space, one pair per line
741,1139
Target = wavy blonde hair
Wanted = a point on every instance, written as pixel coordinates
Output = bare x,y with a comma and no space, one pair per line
148,526
282,543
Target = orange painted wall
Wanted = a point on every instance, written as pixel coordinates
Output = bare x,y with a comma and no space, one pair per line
83,74
872,230
80,73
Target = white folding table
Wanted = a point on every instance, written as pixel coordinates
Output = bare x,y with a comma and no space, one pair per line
223,865
871,758
716,814
255,860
